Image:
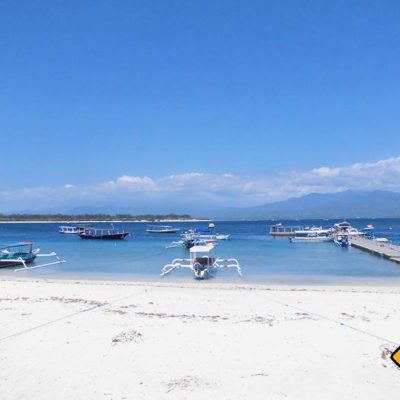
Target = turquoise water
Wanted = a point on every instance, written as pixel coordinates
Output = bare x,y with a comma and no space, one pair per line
263,258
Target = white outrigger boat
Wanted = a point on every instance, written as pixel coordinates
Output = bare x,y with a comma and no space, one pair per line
189,243
199,237
161,229
204,234
313,235
201,262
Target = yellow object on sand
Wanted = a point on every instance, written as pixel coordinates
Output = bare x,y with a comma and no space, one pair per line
396,357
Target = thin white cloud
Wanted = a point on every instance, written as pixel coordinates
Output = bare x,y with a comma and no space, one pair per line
219,189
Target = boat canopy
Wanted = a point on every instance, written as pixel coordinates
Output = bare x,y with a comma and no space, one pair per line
201,249
3,246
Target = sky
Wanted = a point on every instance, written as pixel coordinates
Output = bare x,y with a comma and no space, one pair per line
235,103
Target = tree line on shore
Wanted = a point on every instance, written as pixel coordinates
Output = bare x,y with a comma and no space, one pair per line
93,217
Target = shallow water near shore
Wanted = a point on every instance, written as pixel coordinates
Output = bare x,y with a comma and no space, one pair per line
263,258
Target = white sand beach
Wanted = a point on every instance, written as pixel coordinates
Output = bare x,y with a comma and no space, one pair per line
126,340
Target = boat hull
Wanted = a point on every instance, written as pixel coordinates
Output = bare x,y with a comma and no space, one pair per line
342,243
283,233
113,236
162,231
311,240
27,258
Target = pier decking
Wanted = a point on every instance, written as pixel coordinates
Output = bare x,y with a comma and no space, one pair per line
383,249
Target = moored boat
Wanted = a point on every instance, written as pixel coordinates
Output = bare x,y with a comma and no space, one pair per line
204,234
17,254
68,230
201,262
342,240
161,229
342,232
312,235
105,234
281,230
22,254
73,229
368,231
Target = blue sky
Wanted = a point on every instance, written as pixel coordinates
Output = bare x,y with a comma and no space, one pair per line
92,91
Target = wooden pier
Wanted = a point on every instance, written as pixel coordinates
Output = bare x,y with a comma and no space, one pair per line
382,249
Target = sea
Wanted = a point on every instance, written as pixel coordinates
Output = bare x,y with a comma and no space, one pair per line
263,258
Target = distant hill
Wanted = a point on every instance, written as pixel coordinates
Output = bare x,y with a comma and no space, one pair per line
348,204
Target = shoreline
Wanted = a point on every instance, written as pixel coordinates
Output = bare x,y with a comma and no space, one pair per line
296,286
279,281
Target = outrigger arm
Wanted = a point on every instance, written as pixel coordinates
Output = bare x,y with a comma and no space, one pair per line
218,263
176,263
25,267
228,263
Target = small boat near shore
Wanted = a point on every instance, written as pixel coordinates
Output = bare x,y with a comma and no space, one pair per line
22,254
161,229
201,262
103,234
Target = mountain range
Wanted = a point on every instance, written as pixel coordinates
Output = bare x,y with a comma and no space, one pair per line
347,204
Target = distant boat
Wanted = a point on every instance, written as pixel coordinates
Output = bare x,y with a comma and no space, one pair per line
342,233
342,240
382,240
161,229
68,230
106,234
189,243
72,229
280,230
344,228
313,234
204,234
368,231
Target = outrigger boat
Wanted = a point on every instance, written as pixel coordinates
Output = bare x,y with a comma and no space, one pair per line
199,237
201,263
22,254
313,234
161,229
204,234
105,234
189,243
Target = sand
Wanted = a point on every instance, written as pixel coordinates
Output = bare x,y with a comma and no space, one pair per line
126,340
